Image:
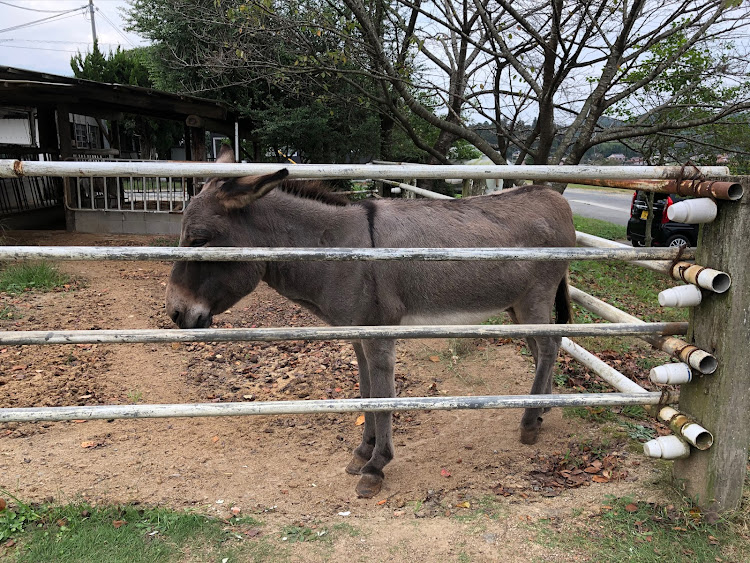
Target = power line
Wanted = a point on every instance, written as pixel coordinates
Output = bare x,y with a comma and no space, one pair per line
117,29
32,9
40,49
18,40
48,19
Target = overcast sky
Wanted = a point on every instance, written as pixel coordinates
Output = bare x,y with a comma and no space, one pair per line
48,45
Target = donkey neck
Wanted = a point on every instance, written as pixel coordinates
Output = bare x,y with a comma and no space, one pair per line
286,220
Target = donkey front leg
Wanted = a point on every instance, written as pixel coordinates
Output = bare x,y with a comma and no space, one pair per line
363,452
376,380
547,348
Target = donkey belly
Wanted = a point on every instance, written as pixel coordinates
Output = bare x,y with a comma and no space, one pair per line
449,317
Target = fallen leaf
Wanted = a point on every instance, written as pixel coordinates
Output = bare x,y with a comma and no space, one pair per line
631,507
119,523
360,420
215,439
2,504
435,359
465,504
599,479
90,444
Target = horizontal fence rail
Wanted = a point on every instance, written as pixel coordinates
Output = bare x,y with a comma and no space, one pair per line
135,336
17,168
111,412
255,254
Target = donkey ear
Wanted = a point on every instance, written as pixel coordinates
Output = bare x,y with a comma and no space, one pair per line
226,155
236,193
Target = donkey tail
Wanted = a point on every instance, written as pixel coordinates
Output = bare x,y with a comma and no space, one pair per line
563,309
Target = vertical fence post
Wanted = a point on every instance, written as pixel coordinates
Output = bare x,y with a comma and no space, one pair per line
721,402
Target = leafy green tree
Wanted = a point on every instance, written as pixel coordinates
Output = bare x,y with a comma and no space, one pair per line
130,67
211,49
689,90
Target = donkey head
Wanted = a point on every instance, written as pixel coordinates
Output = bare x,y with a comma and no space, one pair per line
221,215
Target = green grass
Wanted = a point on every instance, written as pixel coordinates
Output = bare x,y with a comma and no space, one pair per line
9,312
640,532
27,276
599,228
81,532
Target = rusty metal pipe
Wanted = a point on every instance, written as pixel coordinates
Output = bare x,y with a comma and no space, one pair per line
690,430
708,188
707,278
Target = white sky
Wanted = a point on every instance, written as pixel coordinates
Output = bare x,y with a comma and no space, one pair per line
48,46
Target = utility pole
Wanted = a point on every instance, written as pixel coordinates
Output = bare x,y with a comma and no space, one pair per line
93,23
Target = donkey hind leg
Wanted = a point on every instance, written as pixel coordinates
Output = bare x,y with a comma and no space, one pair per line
531,343
544,350
377,440
363,452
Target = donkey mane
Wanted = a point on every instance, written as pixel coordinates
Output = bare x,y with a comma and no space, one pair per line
314,190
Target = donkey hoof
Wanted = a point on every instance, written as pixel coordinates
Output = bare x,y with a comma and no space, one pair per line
369,485
355,465
529,435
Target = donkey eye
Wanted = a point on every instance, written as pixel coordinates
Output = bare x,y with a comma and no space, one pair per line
198,242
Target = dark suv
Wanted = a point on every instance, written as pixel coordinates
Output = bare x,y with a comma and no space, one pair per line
663,231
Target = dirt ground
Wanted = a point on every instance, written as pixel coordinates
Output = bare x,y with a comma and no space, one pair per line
290,469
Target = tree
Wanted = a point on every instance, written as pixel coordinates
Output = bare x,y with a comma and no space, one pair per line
210,49
566,64
130,67
543,75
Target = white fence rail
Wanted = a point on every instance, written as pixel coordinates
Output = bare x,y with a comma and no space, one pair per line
17,168
255,254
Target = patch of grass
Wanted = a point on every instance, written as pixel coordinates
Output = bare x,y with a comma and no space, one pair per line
639,531
27,276
590,414
637,431
135,396
9,312
461,347
636,412
13,520
80,533
485,507
166,241
299,534
599,228
627,287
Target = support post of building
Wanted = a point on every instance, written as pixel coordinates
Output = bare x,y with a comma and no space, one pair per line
64,138
721,402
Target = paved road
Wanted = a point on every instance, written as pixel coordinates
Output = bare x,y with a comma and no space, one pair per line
598,204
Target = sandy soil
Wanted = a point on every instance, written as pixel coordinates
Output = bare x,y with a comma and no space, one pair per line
289,469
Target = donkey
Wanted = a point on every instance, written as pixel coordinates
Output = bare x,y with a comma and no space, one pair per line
272,211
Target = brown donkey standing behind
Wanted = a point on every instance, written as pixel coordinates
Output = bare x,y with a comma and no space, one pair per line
270,211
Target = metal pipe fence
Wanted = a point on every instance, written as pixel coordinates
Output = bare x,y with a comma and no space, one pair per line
154,171
17,168
255,254
328,406
152,336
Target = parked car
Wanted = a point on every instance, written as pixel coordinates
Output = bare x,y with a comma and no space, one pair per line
663,231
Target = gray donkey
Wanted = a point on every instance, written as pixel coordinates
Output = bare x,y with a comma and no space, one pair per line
271,211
